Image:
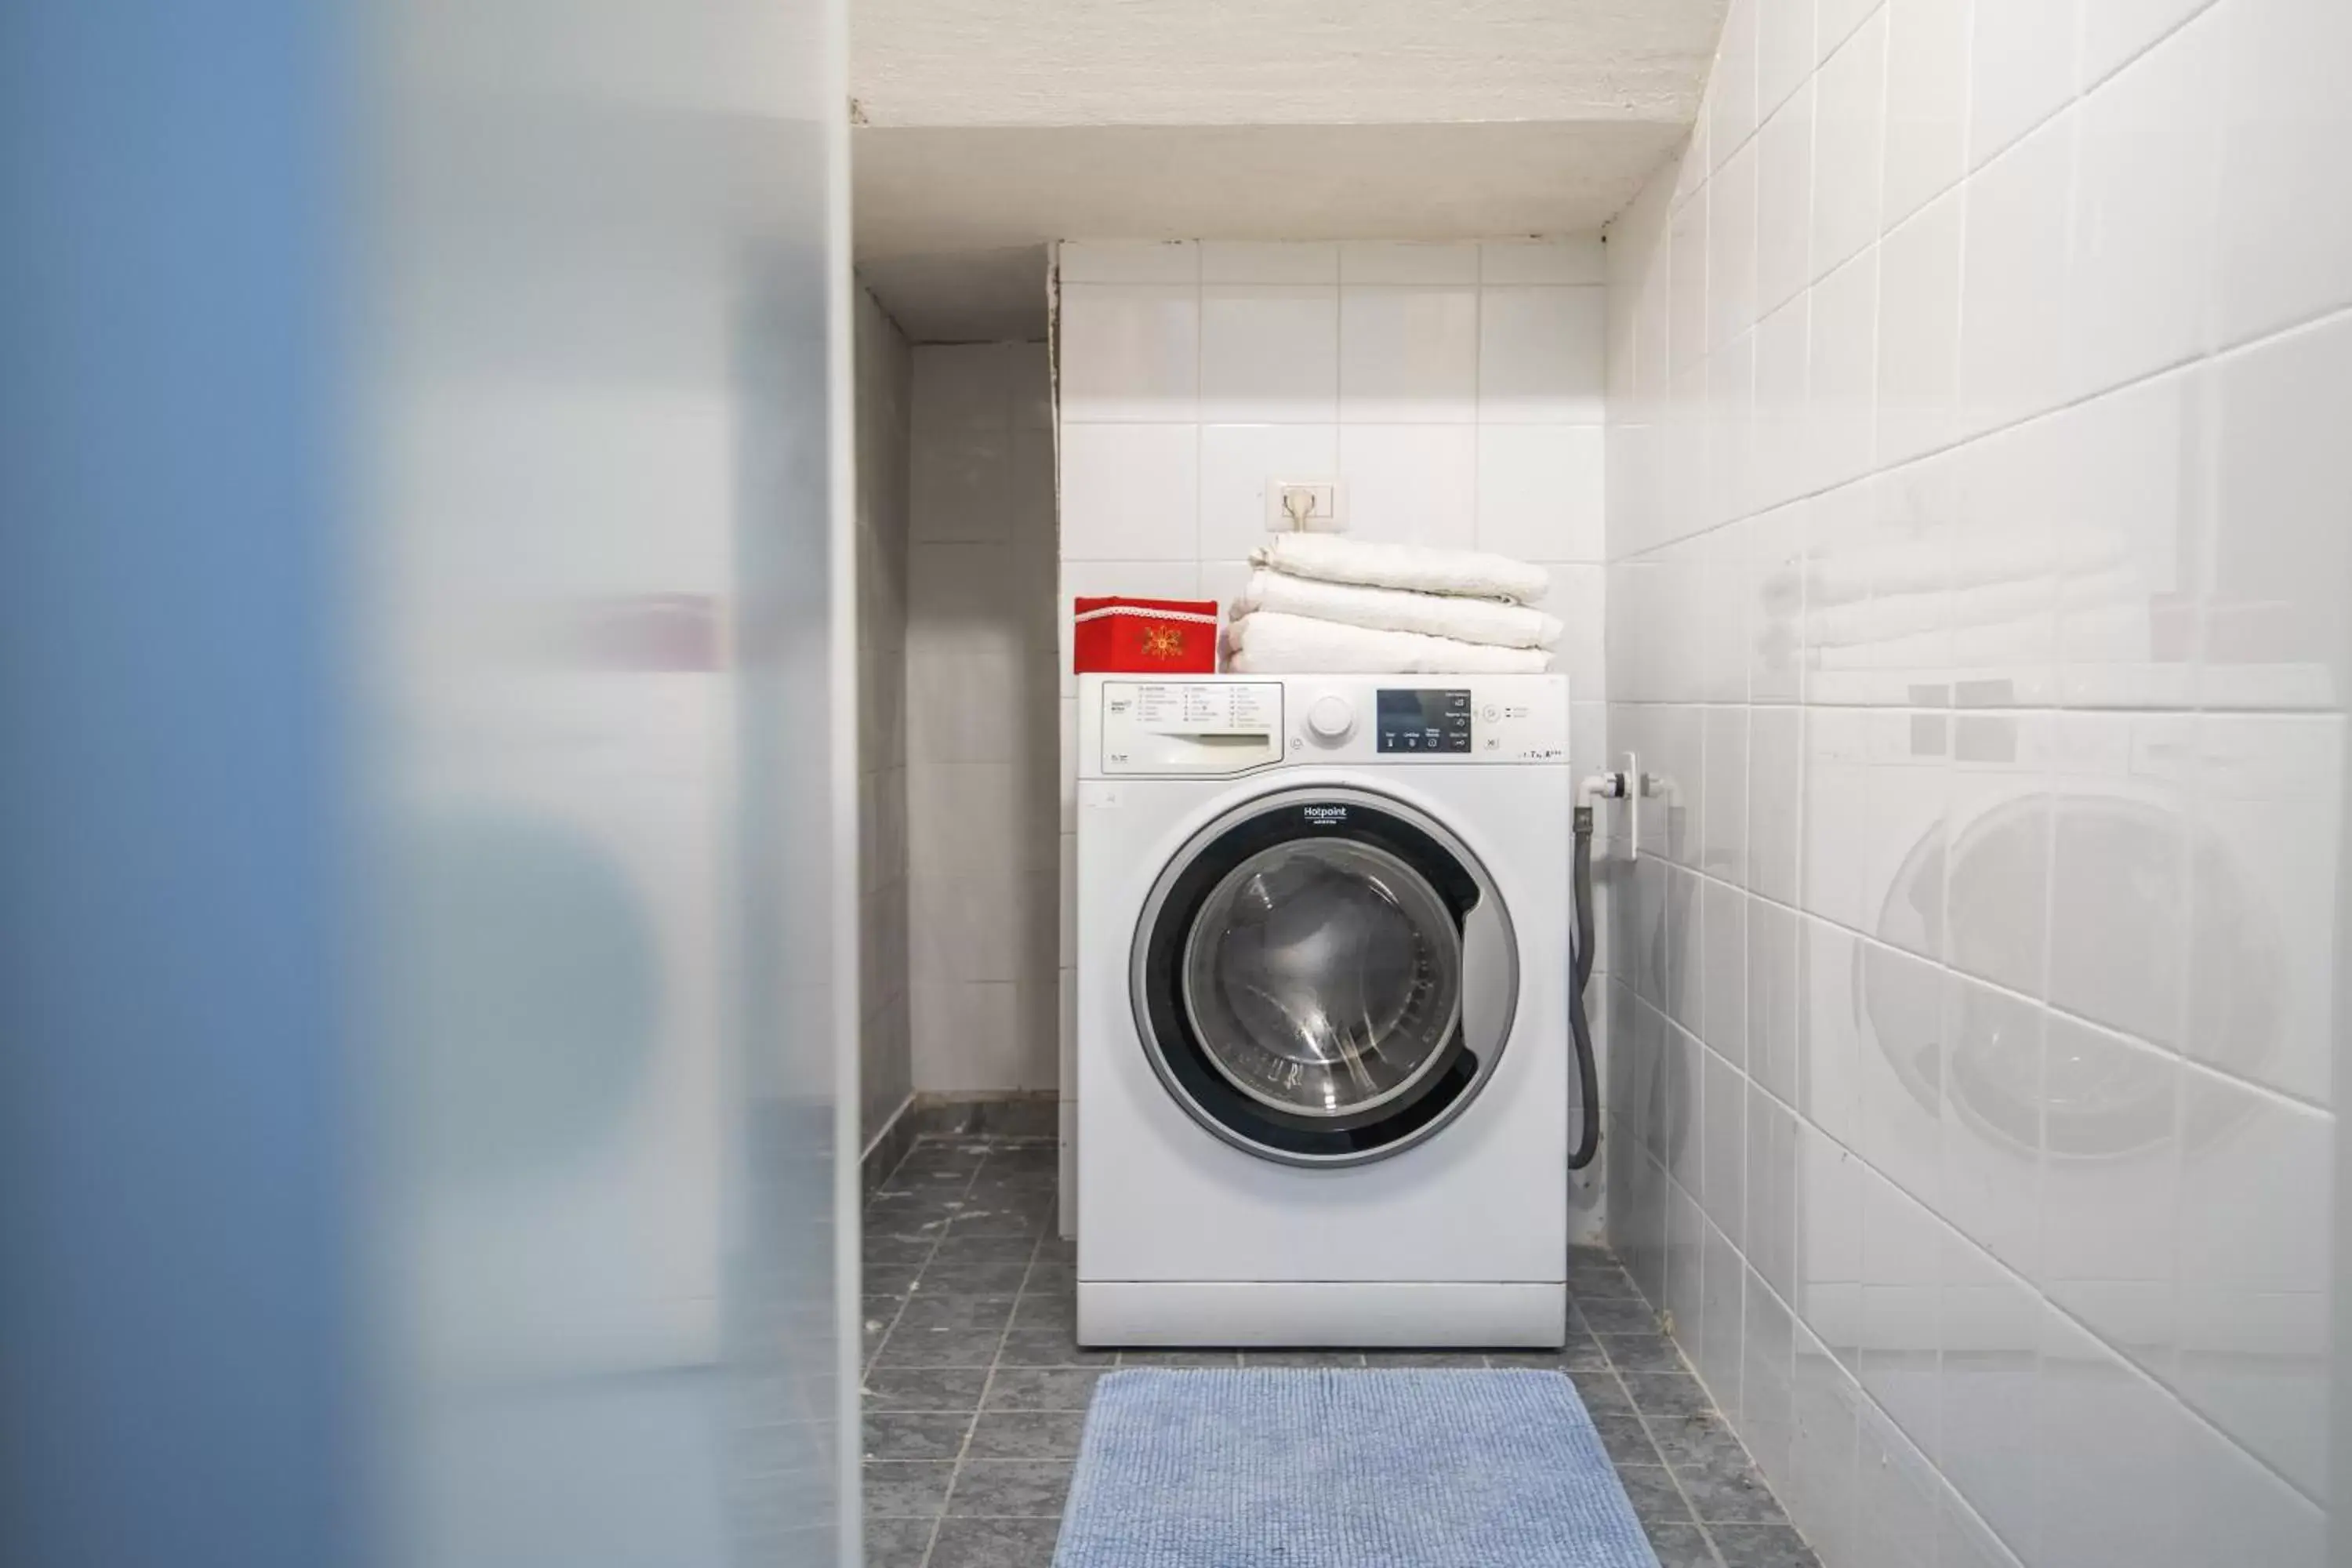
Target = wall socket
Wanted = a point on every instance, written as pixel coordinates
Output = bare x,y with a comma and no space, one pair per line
1317,505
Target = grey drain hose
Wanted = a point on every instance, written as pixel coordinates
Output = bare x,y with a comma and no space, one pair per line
1587,1075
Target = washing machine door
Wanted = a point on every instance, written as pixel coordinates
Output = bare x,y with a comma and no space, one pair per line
1324,976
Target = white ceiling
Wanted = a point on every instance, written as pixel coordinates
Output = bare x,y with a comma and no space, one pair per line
1276,62
989,127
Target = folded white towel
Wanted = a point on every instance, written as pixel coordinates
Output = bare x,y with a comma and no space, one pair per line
1472,573
1266,642
1395,610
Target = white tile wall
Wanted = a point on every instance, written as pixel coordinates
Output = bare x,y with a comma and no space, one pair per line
1415,483
885,397
1926,103
981,709
1540,354
1977,530
1408,354
1538,491
1732,113
1456,389
2286,246
1135,350
1269,353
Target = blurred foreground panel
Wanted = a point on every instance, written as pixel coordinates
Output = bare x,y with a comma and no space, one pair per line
419,1061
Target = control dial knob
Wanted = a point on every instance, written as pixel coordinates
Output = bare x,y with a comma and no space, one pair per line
1330,720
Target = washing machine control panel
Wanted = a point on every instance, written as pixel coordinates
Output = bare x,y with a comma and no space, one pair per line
1223,726
1425,719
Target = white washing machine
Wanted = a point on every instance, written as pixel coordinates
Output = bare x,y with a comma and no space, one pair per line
1325,1077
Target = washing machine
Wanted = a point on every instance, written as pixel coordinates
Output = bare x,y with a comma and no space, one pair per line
1325,1084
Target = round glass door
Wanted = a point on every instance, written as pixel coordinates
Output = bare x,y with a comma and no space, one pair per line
1323,977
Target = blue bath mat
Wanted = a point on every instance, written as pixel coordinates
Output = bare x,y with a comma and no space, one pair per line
1332,1468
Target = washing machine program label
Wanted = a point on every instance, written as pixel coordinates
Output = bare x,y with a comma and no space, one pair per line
1223,710
1178,727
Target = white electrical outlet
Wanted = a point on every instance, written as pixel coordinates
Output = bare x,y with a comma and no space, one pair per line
1319,505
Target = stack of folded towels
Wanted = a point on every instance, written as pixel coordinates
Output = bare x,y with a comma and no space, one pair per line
1321,603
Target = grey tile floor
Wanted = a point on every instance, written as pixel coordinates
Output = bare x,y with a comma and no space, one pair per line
976,1386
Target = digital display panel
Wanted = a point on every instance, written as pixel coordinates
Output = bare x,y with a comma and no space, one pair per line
1423,720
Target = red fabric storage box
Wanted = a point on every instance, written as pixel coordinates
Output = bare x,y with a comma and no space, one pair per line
1145,636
